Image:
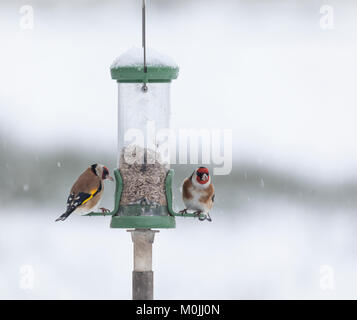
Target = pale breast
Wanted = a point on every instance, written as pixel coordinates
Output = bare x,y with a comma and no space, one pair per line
194,202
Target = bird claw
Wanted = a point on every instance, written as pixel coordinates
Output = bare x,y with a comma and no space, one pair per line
206,216
104,210
198,215
184,211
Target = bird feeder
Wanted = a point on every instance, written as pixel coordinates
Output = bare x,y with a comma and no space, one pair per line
143,193
143,197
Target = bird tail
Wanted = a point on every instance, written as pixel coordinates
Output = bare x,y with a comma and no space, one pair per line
63,216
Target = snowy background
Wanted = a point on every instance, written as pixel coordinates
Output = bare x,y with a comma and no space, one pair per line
264,69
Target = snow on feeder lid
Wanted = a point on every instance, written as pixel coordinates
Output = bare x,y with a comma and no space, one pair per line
129,67
145,199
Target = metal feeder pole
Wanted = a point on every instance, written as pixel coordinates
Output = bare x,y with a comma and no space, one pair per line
131,216
143,276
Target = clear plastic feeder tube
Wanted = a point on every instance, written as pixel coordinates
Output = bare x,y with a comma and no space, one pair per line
143,157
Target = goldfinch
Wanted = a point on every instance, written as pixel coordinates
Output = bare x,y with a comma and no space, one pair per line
198,193
87,191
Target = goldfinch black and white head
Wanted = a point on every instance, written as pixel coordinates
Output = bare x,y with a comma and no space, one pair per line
87,191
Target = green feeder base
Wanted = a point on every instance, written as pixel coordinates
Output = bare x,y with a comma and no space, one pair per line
143,216
143,222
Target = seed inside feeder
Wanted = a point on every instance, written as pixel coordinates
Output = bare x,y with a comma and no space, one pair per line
143,175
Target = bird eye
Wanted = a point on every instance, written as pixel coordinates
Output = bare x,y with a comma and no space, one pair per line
202,170
105,173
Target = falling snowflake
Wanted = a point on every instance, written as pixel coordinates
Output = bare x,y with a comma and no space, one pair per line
59,164
26,187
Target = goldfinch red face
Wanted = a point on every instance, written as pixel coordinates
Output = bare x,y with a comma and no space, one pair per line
105,174
202,175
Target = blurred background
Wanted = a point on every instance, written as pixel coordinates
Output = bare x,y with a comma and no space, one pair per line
279,73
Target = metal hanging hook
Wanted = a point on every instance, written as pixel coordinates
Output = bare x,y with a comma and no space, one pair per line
143,22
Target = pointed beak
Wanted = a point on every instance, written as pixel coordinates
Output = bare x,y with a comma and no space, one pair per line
205,177
110,178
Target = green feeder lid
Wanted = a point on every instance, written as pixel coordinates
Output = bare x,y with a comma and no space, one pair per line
129,67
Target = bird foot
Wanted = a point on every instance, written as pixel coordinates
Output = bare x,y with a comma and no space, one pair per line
104,210
184,211
198,215
206,216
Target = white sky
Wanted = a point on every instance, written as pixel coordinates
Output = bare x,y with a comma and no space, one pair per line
285,87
